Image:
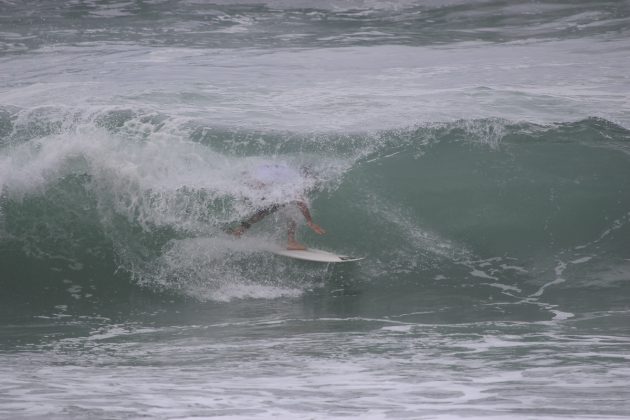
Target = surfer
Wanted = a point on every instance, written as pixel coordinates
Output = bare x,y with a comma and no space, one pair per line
279,181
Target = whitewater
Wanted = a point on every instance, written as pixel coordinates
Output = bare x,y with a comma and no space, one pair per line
476,153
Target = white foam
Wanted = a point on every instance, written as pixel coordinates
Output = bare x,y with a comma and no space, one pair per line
504,287
544,286
482,274
561,315
180,372
515,268
351,89
398,328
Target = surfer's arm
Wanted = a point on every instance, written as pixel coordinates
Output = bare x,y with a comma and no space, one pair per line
309,219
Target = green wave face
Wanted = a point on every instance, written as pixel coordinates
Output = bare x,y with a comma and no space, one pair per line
463,210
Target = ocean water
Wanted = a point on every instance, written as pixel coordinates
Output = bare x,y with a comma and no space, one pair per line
476,153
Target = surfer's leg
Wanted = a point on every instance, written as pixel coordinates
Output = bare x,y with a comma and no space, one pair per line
256,217
292,243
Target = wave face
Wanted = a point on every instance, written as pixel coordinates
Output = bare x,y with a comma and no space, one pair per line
475,152
509,206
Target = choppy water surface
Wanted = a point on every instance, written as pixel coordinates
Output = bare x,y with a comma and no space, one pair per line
477,153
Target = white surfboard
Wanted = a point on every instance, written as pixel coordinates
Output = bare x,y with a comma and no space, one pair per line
312,254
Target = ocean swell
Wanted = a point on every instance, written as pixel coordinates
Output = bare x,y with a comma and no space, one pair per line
140,194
